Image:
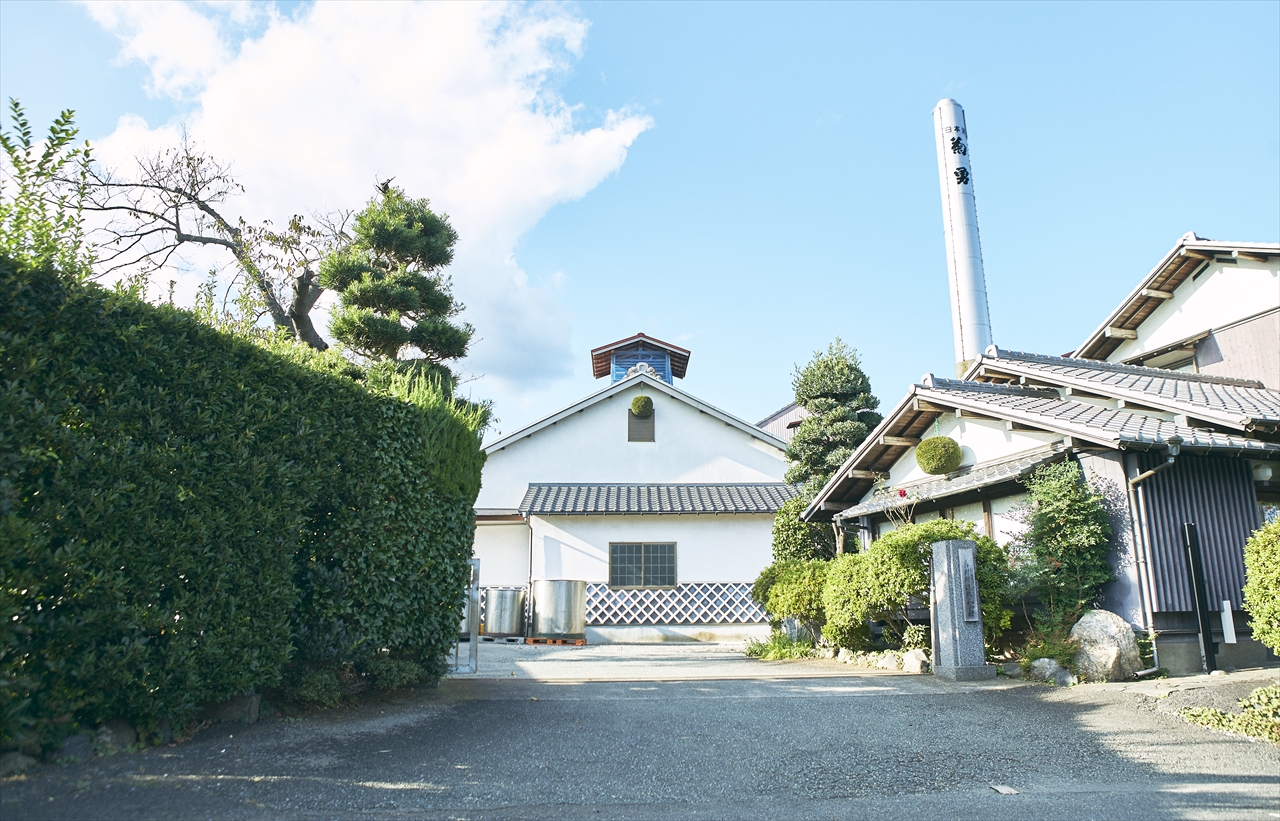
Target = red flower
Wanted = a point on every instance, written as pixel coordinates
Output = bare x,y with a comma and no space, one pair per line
902,494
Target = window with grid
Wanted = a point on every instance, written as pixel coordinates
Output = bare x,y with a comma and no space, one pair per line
642,565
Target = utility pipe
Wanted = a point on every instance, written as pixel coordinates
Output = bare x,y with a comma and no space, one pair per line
1145,588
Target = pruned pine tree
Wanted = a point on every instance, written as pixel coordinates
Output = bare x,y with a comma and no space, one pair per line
837,395
395,298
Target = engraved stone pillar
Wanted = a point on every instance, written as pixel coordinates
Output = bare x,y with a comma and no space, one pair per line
959,653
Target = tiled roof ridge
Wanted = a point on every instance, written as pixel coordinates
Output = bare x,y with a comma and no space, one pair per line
994,353
942,383
984,467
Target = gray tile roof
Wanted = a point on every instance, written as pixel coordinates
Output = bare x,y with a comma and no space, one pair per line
1088,421
940,487
587,499
1234,402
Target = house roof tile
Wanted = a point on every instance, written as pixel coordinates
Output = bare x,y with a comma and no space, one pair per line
600,499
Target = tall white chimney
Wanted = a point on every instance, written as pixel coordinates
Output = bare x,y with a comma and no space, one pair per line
970,317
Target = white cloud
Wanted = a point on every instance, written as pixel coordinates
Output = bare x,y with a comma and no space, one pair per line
452,100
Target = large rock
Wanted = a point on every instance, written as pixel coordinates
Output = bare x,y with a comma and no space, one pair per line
1051,671
915,661
1108,650
237,708
116,735
14,762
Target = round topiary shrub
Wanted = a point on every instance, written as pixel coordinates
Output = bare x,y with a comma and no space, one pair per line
642,406
938,455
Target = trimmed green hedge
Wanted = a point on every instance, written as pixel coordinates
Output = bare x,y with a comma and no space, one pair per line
792,589
185,516
1262,584
879,584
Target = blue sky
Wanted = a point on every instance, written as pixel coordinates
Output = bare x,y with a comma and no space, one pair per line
755,179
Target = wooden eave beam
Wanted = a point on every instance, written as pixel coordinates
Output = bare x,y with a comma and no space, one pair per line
1194,254
923,406
1248,256
899,441
1154,294
968,414
1119,333
1009,425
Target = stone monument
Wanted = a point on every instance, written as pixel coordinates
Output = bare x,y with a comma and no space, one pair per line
959,652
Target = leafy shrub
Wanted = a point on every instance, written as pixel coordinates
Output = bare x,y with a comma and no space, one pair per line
1067,539
1050,641
938,455
916,637
180,508
1262,584
878,585
390,673
1259,716
642,406
318,688
793,590
779,647
796,540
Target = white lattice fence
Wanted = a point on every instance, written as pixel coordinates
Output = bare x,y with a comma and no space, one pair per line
705,603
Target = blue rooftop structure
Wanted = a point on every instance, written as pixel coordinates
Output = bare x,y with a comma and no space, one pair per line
668,361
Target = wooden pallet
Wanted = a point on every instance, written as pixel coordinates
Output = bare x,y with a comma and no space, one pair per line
557,642
502,639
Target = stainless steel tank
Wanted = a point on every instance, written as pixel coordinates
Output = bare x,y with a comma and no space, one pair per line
503,612
560,609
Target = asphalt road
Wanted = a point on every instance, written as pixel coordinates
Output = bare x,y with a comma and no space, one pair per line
875,745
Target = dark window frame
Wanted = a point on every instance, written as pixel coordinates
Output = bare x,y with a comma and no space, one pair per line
644,566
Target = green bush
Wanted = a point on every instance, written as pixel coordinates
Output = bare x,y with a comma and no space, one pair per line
938,455
1262,584
642,406
318,688
879,584
184,514
796,540
390,673
1068,540
793,590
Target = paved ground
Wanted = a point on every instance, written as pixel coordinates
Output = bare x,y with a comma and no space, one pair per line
691,735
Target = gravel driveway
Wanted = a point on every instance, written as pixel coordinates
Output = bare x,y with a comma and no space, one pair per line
695,732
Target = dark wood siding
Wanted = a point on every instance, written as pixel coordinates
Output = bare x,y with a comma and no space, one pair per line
1217,494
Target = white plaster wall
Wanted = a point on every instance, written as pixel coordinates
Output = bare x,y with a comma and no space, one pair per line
591,447
503,551
1006,518
980,440
971,513
1221,295
709,548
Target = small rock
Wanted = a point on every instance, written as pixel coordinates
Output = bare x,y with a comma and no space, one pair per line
889,661
74,748
1012,669
845,656
116,735
1108,650
915,661
1218,673
1052,672
13,763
